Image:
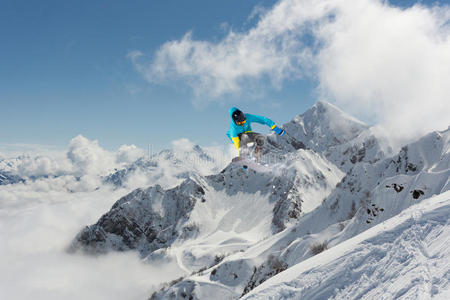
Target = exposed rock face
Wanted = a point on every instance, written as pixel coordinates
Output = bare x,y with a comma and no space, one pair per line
145,220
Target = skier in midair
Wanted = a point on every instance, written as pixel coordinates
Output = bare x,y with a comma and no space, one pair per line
240,132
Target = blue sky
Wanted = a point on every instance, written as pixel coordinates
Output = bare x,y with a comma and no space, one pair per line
65,71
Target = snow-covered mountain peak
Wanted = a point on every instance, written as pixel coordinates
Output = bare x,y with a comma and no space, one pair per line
326,129
325,125
332,112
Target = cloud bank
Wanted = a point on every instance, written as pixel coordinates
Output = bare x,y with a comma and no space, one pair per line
37,225
382,63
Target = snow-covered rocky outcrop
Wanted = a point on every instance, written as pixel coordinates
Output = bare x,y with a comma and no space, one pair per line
8,178
332,181
8,171
154,218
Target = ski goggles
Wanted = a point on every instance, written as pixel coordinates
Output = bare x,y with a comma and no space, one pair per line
241,123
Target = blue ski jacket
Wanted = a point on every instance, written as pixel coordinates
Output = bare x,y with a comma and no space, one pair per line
235,130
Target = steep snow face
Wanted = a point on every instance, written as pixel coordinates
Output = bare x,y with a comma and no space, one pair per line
326,129
368,195
384,189
404,257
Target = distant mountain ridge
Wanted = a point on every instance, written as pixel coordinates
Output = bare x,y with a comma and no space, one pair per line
169,168
8,178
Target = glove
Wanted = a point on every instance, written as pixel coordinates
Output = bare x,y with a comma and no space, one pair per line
278,130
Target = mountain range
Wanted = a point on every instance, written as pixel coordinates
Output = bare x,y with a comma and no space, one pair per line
334,183
340,215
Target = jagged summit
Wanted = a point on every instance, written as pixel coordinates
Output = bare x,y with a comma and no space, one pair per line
324,125
328,130
326,108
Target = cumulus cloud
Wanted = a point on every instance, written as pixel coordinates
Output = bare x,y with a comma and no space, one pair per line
383,63
274,49
182,145
88,157
79,168
389,65
129,154
85,164
205,160
42,166
217,69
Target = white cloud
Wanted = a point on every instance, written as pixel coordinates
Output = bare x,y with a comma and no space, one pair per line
182,145
42,165
88,157
217,69
37,225
389,65
205,160
380,62
79,168
129,154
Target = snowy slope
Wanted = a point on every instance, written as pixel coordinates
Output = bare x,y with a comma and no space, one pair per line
405,257
234,230
368,195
